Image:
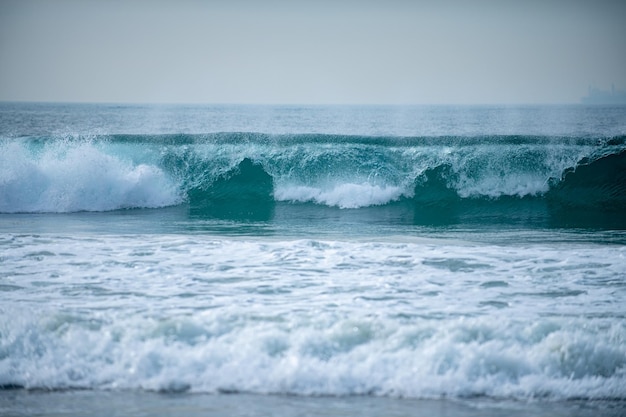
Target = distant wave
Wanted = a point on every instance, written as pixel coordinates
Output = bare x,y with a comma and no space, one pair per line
246,172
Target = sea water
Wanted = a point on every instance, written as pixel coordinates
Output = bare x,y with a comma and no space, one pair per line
280,260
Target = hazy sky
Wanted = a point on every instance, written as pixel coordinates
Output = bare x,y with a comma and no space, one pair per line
326,52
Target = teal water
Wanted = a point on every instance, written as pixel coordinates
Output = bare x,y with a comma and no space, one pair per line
470,258
541,182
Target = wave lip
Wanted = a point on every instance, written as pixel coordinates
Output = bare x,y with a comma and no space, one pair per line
593,183
245,193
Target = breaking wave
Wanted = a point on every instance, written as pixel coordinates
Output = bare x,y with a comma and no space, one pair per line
238,172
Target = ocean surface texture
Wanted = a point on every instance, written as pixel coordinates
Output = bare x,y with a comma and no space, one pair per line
215,260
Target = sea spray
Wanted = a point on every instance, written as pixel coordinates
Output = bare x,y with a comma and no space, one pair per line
68,176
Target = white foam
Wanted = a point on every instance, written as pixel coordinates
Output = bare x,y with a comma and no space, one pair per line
227,351
518,185
519,171
344,195
313,318
77,176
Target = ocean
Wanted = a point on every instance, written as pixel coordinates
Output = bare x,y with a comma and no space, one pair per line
312,260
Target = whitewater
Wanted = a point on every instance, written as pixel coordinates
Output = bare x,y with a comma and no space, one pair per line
255,260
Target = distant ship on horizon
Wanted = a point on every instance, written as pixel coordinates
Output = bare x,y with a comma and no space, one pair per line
597,96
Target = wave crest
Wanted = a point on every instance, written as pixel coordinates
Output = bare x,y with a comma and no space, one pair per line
109,173
63,177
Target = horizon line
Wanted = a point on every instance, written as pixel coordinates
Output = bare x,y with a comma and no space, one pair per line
284,104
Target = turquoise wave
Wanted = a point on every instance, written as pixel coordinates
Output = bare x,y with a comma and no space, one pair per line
244,175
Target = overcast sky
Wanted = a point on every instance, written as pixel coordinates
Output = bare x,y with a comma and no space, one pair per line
317,52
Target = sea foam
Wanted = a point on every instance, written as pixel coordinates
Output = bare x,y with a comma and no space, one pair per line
69,176
310,317
346,195
234,350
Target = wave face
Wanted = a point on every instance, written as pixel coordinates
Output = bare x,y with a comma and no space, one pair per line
245,174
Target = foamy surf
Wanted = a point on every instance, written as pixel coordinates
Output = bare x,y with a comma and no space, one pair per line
69,176
416,320
343,195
